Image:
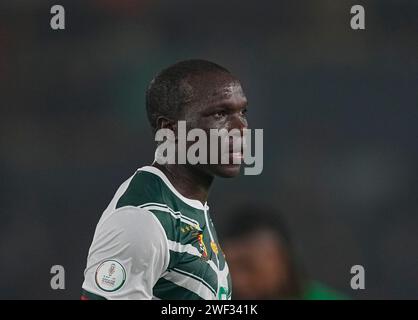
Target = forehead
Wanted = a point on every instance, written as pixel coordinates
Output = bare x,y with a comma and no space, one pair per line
214,88
262,239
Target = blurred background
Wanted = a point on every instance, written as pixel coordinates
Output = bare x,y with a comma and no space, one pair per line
338,108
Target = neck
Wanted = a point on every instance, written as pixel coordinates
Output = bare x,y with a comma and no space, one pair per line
189,181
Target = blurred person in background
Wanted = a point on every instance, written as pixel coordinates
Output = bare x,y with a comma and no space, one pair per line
262,260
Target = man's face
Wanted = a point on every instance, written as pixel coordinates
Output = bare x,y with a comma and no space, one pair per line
259,266
218,102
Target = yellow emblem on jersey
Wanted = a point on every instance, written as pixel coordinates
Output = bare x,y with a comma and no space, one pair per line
214,247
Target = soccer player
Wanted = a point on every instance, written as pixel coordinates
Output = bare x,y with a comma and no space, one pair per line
156,239
262,258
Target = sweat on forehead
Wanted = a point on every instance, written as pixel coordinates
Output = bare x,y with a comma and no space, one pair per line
210,86
185,82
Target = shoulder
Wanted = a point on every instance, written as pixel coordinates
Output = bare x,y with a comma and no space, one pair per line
133,231
147,192
143,188
132,224
133,241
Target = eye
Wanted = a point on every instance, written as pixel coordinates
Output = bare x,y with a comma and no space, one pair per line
244,111
219,114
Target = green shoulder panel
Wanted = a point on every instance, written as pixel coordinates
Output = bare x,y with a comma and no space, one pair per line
143,188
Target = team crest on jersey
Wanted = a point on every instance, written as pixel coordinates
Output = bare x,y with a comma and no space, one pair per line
202,246
110,275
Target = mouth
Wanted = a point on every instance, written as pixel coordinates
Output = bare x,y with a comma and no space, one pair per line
236,155
235,151
235,158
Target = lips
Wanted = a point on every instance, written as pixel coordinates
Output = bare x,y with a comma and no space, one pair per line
236,152
237,156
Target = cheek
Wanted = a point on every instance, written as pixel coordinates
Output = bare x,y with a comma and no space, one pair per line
210,123
267,275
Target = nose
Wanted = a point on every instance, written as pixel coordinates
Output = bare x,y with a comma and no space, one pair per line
238,122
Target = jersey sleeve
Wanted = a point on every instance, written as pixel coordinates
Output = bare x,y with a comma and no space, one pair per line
128,255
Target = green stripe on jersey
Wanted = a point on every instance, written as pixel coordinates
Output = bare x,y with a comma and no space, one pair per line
167,290
193,266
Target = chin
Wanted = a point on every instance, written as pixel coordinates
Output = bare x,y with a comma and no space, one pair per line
227,170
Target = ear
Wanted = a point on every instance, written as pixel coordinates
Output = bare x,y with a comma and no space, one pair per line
166,123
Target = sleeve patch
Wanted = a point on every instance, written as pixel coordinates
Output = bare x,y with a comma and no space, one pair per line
110,276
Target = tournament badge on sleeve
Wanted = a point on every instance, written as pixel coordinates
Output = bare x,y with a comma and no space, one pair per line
110,276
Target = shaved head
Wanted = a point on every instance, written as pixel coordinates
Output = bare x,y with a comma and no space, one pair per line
184,83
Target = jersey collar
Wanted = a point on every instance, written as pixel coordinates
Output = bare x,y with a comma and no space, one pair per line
191,202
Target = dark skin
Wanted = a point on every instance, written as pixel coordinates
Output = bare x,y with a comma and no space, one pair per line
217,102
275,278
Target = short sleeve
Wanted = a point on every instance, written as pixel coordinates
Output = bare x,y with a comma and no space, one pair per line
128,255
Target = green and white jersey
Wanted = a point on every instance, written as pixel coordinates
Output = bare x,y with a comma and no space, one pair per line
153,243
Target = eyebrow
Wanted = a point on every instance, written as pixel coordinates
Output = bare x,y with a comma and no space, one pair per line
226,105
